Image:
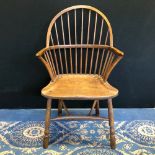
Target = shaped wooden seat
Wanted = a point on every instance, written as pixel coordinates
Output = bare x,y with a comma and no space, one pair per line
75,86
79,57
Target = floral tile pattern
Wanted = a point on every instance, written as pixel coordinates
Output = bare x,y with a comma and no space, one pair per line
77,138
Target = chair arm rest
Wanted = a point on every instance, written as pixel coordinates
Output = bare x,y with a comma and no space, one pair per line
46,64
119,54
117,51
41,52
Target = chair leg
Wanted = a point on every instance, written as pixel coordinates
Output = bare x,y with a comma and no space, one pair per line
59,108
92,108
47,124
97,108
65,108
111,124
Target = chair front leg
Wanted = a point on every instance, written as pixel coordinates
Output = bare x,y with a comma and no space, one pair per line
47,124
111,124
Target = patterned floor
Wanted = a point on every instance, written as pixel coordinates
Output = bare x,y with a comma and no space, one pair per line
77,138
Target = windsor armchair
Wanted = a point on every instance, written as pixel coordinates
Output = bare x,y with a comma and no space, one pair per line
79,57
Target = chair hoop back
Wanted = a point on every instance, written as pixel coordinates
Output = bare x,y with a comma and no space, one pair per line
73,9
80,41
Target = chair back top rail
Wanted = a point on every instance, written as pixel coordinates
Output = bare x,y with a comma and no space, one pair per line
79,17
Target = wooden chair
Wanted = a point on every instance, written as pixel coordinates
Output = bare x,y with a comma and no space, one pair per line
79,57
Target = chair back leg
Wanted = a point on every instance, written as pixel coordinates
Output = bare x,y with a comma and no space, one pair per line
92,108
97,108
59,108
65,107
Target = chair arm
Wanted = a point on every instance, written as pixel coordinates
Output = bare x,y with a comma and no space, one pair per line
46,64
117,51
119,54
41,52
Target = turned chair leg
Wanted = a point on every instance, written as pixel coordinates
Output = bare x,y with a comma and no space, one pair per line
111,124
59,108
47,124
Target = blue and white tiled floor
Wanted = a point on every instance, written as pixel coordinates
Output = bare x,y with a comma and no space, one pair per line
21,132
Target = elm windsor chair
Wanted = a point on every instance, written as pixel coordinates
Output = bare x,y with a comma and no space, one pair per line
79,57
